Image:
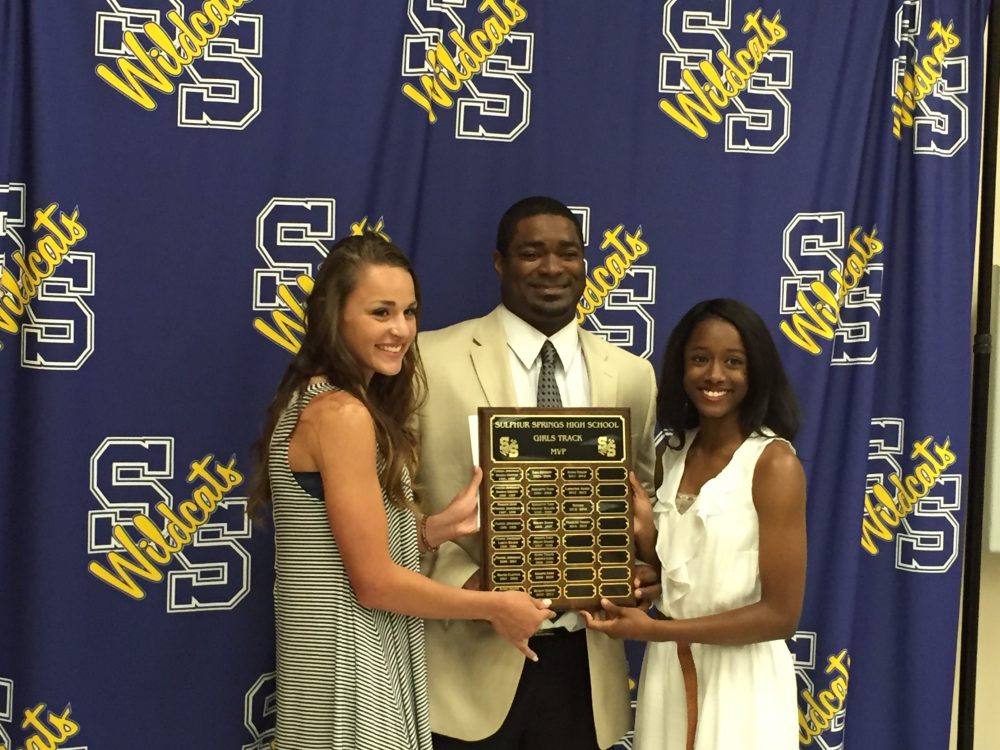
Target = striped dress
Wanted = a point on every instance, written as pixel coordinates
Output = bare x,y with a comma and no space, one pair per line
349,678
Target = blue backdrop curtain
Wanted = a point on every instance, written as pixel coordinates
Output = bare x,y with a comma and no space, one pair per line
172,172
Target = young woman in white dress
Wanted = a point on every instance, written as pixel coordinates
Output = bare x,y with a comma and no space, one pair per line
728,529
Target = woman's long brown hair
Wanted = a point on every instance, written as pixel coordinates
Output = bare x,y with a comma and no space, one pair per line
392,401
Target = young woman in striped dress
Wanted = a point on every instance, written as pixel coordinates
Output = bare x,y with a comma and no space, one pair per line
334,462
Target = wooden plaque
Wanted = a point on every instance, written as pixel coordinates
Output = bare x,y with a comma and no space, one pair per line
555,504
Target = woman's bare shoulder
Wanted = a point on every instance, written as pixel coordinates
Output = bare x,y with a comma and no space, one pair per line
779,470
336,409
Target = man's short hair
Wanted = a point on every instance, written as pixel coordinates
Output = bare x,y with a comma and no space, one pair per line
536,205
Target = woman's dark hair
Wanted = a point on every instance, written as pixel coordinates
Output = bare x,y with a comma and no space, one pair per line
770,401
392,401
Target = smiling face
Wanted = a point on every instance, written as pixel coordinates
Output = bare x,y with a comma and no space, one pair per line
715,369
542,273
378,322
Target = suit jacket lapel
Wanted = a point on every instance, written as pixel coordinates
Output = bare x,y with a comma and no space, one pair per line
488,350
603,377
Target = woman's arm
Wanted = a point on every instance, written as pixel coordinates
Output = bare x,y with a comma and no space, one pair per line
336,431
779,497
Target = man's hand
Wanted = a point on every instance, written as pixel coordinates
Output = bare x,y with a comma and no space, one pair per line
460,517
644,529
647,585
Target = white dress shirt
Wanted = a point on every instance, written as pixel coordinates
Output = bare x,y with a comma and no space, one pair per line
524,345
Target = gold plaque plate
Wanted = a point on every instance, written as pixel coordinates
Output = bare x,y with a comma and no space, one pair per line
556,507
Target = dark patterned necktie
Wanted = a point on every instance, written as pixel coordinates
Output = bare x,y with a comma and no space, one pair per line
548,391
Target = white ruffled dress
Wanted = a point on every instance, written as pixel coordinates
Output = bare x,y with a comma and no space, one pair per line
709,557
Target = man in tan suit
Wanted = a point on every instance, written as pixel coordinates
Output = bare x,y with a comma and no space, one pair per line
483,692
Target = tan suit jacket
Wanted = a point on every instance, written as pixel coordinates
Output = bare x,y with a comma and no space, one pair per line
472,672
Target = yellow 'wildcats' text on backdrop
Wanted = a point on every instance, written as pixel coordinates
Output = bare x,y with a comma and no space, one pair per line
606,277
885,511
827,703
286,328
452,73
819,308
39,264
167,57
48,733
728,81
163,539
921,76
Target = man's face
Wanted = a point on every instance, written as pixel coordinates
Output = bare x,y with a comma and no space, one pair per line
543,273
